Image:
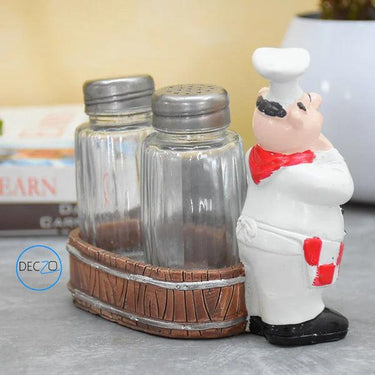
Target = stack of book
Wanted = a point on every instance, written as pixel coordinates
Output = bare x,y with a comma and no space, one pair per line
37,176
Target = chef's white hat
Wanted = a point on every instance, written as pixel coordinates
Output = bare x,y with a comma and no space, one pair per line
282,67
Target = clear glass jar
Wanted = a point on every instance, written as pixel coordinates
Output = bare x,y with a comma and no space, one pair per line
193,180
108,162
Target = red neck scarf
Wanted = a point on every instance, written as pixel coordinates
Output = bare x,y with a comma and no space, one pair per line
263,163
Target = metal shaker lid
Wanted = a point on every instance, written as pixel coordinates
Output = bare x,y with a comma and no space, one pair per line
118,95
195,107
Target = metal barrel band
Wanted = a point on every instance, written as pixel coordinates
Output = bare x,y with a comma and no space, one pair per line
83,297
185,285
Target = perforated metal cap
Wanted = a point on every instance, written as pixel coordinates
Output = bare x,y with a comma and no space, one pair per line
118,95
184,108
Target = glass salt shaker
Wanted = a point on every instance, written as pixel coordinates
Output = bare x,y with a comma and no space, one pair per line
193,180
108,162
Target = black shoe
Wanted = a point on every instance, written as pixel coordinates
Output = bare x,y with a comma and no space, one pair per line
328,326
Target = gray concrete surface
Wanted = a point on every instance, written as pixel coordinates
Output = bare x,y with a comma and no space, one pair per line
42,332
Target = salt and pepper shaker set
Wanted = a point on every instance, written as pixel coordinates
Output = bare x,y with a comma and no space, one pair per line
189,173
159,175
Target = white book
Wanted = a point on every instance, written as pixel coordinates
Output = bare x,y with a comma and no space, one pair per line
37,153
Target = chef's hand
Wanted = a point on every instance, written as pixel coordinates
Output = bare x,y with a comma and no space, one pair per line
246,229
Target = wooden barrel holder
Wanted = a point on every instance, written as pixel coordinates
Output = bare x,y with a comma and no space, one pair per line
161,301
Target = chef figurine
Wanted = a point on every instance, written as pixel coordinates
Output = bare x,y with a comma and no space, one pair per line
291,229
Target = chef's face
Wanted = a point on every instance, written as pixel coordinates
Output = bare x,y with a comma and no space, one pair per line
297,131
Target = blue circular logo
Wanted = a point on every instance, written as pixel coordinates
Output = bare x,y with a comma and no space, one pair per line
39,268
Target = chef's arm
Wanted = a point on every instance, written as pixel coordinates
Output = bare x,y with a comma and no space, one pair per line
326,184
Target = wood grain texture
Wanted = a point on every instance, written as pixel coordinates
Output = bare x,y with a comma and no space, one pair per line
219,304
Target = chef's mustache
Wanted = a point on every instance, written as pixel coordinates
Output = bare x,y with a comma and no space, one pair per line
270,108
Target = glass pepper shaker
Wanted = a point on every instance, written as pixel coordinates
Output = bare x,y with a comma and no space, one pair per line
193,180
108,161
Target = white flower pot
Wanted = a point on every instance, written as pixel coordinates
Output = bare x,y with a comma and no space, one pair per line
342,70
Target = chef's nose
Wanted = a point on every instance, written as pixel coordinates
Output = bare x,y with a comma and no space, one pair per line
316,100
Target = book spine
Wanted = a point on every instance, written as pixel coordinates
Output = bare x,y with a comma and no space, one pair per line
18,219
37,184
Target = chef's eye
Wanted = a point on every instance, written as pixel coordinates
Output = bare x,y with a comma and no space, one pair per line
301,106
